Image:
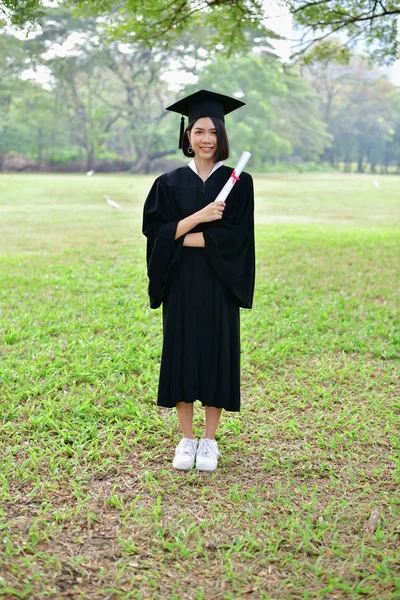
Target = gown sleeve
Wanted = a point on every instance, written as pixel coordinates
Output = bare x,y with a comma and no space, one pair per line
160,220
229,243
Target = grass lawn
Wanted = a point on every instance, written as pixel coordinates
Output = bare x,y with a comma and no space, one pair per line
305,502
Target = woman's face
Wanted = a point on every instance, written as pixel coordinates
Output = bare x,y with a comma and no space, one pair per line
203,138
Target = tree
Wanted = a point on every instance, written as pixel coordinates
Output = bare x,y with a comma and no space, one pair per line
13,62
326,68
392,151
358,103
22,11
90,121
155,20
365,117
374,21
39,124
104,84
139,95
281,118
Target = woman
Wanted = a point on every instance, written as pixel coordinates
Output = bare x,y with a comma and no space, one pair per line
201,267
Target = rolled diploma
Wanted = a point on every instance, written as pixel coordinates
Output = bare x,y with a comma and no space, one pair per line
242,162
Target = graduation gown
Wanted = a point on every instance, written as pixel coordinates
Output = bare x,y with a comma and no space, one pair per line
200,289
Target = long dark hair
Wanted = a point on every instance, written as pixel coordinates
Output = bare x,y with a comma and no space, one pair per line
222,140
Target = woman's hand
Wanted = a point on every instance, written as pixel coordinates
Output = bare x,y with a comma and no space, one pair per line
211,212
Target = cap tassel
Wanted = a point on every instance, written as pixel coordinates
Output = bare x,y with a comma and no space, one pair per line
182,131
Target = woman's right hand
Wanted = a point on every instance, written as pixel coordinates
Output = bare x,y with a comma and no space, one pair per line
211,212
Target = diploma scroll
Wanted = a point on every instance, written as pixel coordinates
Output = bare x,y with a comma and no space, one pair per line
224,193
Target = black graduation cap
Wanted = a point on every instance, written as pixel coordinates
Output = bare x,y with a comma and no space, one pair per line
204,104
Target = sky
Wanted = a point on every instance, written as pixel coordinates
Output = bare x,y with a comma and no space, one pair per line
280,21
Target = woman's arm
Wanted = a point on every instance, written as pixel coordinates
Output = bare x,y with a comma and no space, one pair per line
211,212
194,240
187,224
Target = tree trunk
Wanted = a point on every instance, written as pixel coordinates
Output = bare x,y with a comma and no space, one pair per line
40,148
89,158
141,164
347,165
161,154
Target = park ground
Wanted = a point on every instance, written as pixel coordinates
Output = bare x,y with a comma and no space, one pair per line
305,502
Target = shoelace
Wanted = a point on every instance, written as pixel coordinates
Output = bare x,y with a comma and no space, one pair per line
207,447
186,446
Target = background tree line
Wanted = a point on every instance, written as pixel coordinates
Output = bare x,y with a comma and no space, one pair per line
104,105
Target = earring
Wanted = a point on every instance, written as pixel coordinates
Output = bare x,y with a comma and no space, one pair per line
190,150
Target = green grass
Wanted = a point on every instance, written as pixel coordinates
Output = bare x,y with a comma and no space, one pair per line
90,506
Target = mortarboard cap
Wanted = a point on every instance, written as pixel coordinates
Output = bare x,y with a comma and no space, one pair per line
204,104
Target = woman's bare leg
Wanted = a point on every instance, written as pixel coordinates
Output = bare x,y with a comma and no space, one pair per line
185,416
212,419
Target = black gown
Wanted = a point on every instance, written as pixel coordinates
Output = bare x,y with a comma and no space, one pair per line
201,289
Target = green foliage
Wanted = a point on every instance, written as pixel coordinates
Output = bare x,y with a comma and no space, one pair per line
360,106
95,106
36,125
364,118
280,118
327,52
12,64
373,22
156,23
227,21
22,11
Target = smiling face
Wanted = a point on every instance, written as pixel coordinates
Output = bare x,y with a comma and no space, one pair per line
203,138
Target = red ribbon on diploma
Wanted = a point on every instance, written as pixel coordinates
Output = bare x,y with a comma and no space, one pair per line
234,177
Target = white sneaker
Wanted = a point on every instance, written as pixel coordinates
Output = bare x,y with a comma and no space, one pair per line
185,454
207,455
